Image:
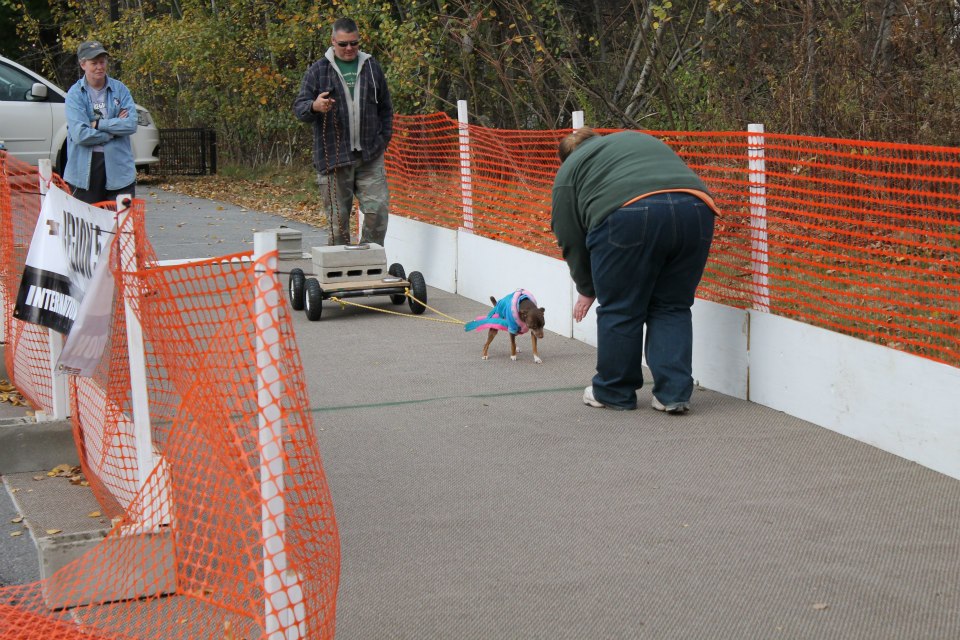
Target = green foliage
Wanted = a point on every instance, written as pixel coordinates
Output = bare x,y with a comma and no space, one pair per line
844,70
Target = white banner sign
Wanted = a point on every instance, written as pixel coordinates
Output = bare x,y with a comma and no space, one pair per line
61,273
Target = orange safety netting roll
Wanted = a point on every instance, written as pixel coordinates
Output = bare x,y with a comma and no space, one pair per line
231,522
858,237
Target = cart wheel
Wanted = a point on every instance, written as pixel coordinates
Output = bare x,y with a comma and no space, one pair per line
313,299
418,287
396,270
296,289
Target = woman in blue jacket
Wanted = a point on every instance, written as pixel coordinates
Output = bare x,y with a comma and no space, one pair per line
101,117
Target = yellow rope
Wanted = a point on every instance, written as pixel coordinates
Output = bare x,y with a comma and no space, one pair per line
439,313
450,320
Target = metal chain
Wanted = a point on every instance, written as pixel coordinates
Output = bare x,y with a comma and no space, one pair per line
332,173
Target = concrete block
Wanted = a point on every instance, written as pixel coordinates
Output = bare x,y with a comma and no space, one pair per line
289,242
349,263
82,558
27,445
106,568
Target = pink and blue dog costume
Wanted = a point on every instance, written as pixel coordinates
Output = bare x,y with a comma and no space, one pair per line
505,315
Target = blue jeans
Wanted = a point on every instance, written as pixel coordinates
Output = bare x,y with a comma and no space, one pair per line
647,259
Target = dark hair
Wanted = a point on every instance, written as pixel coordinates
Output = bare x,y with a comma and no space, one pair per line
345,25
573,140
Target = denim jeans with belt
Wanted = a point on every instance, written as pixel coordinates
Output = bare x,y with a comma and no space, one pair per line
647,259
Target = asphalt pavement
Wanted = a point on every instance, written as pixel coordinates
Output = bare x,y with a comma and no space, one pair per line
482,499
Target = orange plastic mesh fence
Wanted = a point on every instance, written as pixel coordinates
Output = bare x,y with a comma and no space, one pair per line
858,237
508,178
27,345
234,524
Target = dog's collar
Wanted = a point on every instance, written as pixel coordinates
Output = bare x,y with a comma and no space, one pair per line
518,296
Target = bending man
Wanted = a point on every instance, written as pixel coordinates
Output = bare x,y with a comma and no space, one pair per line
634,224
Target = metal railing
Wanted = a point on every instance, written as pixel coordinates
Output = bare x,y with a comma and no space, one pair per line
187,152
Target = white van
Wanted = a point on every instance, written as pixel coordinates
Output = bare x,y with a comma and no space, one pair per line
33,124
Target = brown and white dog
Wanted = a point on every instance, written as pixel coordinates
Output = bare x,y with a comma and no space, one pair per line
516,313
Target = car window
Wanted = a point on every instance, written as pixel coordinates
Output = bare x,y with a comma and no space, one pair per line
14,84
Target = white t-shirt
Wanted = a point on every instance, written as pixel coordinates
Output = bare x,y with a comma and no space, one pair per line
98,98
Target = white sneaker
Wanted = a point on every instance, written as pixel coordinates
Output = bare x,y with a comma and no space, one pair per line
677,409
589,400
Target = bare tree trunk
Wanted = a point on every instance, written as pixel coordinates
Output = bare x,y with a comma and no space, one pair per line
653,50
955,27
811,35
709,22
637,42
880,60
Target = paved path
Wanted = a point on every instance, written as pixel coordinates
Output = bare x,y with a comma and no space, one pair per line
482,499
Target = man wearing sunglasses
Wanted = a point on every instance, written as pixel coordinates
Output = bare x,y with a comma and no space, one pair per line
345,96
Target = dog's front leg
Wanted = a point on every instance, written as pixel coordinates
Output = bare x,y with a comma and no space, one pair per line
536,356
513,347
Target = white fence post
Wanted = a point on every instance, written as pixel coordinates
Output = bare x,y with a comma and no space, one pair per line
284,608
759,264
578,119
466,178
59,394
153,515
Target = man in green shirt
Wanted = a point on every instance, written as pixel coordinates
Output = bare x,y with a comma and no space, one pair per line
344,95
634,224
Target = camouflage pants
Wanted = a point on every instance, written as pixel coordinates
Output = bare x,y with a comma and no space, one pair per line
368,182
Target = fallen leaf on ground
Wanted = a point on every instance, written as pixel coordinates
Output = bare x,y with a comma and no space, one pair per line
17,520
10,394
94,514
14,534
820,606
51,532
64,470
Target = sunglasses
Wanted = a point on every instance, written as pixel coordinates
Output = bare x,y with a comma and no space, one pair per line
347,43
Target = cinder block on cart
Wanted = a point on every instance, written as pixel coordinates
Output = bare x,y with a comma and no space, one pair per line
349,263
